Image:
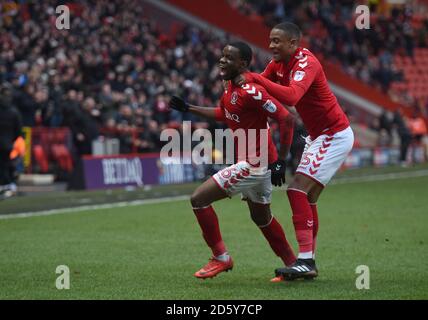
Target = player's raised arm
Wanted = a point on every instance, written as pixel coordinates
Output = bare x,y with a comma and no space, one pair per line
299,84
179,104
269,71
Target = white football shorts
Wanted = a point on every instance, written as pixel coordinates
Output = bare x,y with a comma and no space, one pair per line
325,155
253,183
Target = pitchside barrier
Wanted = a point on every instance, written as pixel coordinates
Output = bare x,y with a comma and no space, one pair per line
137,170
105,172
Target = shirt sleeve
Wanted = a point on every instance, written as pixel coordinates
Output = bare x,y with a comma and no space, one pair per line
259,98
219,111
219,114
303,77
269,72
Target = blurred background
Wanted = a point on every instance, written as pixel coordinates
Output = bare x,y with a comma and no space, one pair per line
92,100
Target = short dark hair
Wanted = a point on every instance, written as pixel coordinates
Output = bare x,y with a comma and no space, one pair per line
245,51
292,30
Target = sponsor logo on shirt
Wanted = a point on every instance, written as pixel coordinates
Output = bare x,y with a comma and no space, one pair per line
231,116
269,106
299,75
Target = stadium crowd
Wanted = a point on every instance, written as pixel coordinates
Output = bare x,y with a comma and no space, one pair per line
366,54
111,73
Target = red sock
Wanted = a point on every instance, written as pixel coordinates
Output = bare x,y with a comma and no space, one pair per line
275,235
208,222
316,224
302,220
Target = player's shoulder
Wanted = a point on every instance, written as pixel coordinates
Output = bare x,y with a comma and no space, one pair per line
305,58
253,91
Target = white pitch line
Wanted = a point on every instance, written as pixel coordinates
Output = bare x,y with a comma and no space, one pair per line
382,177
92,207
378,177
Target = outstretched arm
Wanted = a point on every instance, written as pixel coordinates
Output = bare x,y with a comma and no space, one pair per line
179,104
209,113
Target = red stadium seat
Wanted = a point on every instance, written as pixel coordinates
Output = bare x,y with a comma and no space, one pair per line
41,158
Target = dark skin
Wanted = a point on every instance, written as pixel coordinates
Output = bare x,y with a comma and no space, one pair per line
283,46
231,65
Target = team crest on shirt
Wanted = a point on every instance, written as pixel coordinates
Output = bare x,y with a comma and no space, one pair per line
226,173
269,106
234,98
299,75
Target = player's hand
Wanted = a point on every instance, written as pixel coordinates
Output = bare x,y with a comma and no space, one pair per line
277,173
240,80
178,104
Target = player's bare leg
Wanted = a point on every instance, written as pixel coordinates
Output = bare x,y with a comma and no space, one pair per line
303,221
201,201
272,231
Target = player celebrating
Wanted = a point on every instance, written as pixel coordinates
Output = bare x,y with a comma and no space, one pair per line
244,107
296,78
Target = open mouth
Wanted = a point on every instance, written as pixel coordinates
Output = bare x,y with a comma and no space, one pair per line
222,70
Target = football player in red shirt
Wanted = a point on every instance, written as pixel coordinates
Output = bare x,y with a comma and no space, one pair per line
296,78
244,108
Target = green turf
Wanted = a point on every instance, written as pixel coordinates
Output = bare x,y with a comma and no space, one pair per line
151,251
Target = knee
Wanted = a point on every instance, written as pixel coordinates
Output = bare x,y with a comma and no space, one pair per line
312,198
261,218
197,200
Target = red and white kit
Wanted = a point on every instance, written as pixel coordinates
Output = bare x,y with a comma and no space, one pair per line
324,156
302,83
249,107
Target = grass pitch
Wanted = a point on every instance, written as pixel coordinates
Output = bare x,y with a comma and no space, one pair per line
151,251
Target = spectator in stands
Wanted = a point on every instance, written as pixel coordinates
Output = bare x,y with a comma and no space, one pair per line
24,101
404,134
385,127
111,53
364,54
83,127
10,130
149,139
417,128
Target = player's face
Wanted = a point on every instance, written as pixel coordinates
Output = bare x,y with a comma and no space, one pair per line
230,64
281,45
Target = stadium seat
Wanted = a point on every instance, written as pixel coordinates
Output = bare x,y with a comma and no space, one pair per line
40,158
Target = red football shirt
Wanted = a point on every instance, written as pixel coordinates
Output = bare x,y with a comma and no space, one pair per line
302,83
249,107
